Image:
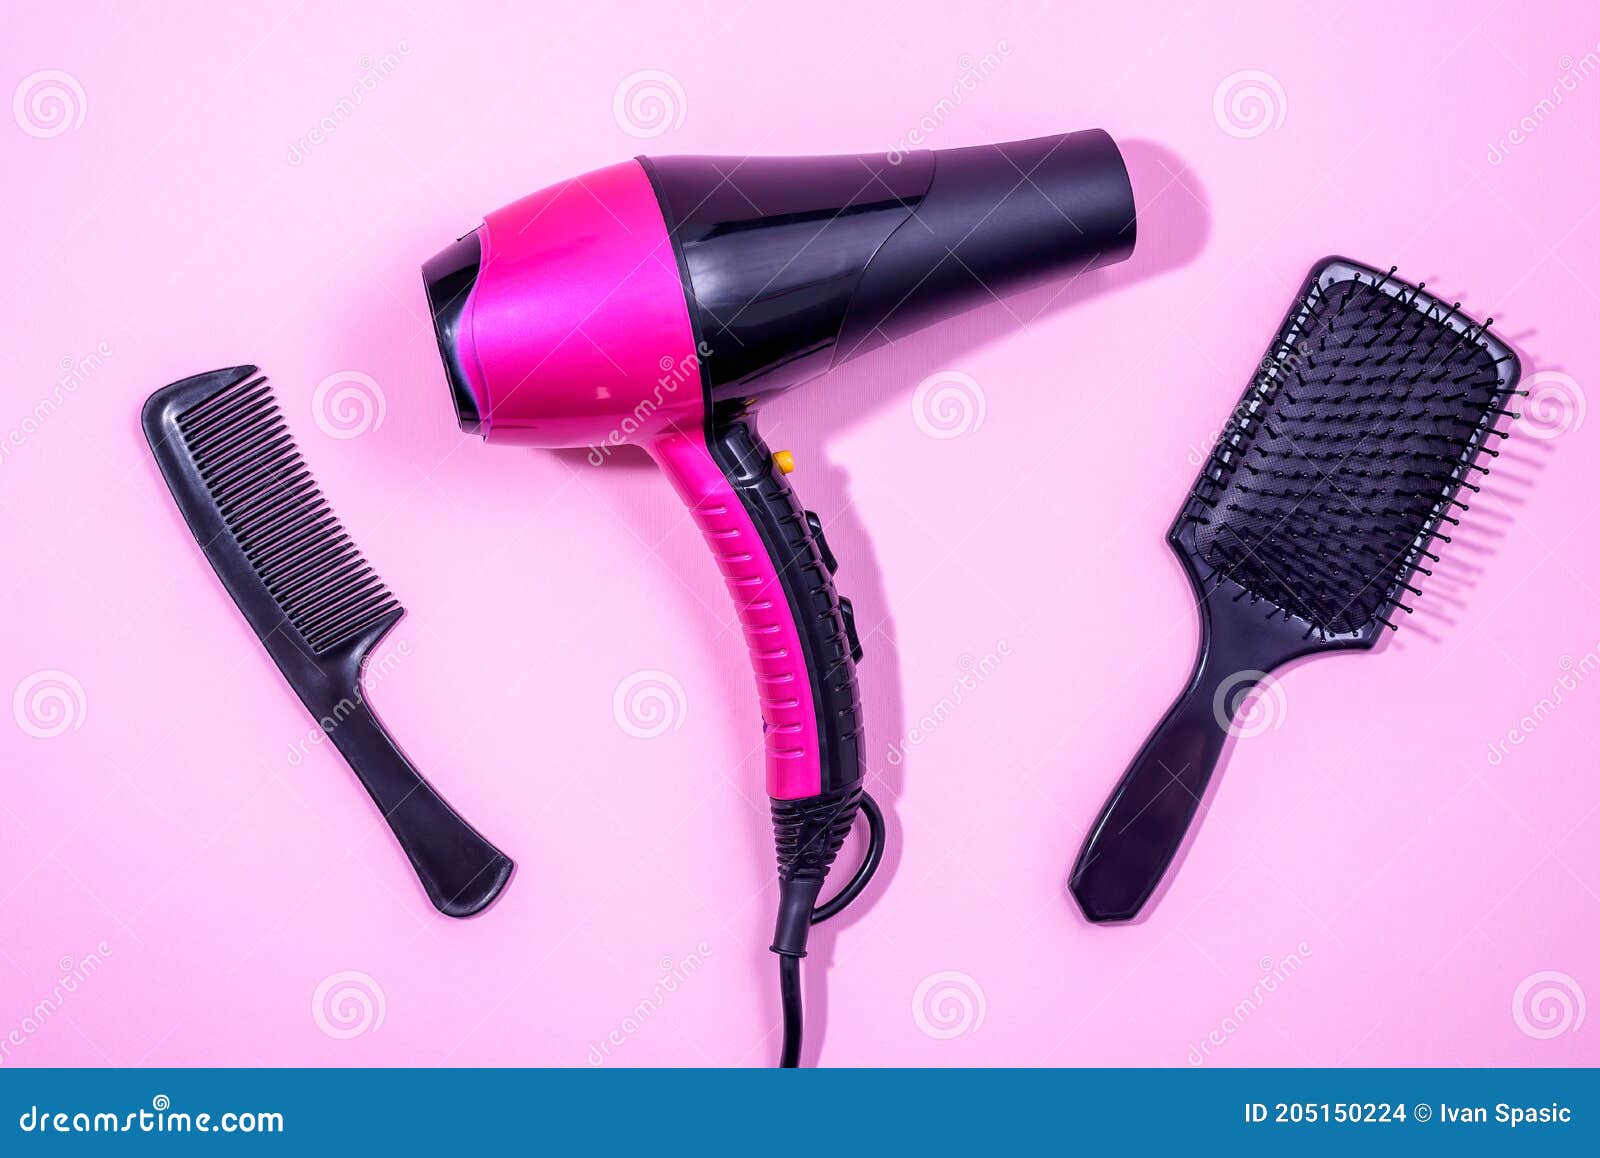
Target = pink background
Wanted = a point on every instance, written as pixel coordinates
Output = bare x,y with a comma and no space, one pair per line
1443,907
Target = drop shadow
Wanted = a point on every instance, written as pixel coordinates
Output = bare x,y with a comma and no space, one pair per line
1174,222
1515,469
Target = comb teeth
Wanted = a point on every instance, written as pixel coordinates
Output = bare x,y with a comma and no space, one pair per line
1345,456
248,462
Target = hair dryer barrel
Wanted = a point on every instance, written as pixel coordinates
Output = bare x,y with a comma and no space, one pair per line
795,264
996,219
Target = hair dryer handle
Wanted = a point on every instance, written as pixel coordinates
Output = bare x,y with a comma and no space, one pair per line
800,634
803,646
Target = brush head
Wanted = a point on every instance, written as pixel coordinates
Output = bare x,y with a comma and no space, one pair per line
260,517
1347,453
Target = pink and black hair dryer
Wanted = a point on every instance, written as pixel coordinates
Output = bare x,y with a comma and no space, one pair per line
661,300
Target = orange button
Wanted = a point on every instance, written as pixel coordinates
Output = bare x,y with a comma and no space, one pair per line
785,461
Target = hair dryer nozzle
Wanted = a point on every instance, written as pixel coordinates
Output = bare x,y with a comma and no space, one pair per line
449,276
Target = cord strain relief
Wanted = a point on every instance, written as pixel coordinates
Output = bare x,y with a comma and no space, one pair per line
796,900
808,833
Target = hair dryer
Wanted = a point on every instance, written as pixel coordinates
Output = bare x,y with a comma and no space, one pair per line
658,301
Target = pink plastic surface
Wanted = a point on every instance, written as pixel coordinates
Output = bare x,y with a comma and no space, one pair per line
1425,820
579,331
783,687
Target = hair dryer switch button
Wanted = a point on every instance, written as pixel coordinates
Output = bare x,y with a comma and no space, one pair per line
814,524
847,612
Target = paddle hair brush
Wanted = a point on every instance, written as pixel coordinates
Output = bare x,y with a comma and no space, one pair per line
312,599
1339,469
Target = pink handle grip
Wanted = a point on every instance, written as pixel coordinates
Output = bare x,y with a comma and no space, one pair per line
788,712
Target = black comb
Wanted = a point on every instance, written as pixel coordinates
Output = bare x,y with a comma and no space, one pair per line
1306,530
309,595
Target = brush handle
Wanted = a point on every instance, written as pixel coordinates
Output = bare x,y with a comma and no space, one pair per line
1148,814
461,871
1145,819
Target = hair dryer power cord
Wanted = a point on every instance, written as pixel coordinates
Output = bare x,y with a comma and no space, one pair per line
789,966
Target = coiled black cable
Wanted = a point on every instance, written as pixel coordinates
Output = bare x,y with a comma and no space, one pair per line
789,967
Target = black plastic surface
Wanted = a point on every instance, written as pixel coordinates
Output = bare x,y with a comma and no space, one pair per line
793,264
997,219
1143,823
828,560
807,581
772,249
448,276
847,611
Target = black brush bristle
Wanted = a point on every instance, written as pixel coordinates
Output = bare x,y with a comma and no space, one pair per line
248,463
1346,455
